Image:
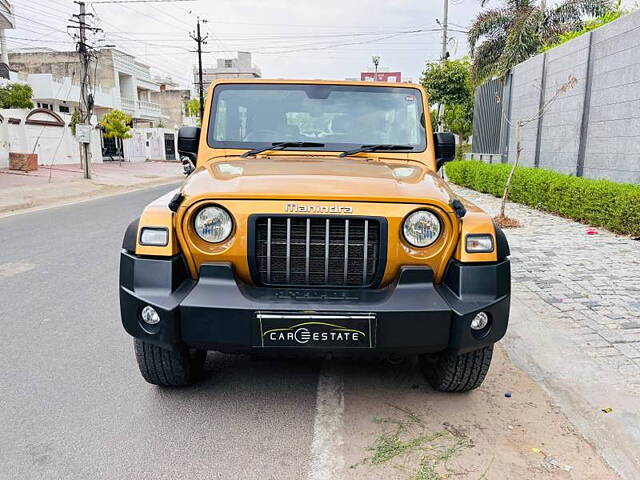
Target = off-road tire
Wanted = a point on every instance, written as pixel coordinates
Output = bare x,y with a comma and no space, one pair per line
456,373
168,368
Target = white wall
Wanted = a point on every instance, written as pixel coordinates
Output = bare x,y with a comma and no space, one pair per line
54,145
147,144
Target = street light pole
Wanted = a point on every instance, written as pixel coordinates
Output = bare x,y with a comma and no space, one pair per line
445,26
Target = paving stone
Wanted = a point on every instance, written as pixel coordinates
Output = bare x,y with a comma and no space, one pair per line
588,282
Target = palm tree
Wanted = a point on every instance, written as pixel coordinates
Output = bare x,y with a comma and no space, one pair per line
502,37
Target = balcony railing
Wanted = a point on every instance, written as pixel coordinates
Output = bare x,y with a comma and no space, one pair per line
128,104
140,107
148,108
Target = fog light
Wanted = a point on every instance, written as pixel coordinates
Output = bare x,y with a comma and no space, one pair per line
479,321
150,316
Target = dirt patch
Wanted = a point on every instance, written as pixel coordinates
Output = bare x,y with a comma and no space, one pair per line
396,427
506,222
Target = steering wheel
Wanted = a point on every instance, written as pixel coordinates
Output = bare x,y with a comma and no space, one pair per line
262,135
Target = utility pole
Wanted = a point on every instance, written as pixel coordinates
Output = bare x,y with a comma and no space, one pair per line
86,98
445,55
445,27
200,41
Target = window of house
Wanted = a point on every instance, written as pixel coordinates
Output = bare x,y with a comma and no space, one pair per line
228,64
64,109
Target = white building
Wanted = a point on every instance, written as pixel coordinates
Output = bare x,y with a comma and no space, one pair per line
7,21
239,67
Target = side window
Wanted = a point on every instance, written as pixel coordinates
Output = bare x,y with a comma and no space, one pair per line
220,122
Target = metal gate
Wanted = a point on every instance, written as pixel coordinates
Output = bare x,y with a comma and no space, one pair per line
169,146
490,114
111,148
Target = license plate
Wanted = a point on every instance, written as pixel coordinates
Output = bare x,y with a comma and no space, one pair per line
316,330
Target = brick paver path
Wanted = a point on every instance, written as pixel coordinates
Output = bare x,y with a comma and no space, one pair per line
590,282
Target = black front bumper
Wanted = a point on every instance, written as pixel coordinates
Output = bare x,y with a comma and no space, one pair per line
219,312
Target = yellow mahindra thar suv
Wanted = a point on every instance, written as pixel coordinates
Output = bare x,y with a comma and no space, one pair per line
315,221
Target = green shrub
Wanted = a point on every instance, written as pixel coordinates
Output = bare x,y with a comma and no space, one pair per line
588,26
615,206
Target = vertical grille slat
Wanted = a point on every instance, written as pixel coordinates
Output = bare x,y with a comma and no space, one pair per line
316,251
366,248
306,254
346,250
288,240
326,252
268,250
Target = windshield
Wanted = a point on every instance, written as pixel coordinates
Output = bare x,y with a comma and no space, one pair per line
340,117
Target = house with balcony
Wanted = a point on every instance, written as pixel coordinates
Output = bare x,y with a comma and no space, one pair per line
7,22
121,82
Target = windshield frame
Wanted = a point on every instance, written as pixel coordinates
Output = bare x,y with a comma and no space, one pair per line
329,146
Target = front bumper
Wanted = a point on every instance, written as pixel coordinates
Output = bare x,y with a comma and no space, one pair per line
219,312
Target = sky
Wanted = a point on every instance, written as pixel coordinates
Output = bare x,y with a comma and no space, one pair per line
331,39
327,39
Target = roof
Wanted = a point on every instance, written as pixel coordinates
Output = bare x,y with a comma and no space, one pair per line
313,82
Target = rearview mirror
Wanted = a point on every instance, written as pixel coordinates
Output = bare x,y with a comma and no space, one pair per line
188,140
445,146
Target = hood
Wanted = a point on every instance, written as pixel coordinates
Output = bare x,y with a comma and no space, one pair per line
318,178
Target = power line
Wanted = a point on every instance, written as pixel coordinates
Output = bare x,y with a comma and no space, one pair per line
141,1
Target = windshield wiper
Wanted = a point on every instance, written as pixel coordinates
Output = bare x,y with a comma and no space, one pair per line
373,148
280,146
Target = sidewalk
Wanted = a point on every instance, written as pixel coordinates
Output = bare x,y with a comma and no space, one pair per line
64,183
575,324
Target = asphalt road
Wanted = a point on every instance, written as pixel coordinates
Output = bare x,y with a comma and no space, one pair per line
74,406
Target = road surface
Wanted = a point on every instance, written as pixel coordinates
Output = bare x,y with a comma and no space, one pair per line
74,406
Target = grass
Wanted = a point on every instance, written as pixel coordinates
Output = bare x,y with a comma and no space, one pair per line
405,443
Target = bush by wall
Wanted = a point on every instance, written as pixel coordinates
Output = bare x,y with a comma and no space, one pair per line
615,206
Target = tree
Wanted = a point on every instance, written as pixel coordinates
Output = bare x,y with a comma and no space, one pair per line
192,107
458,118
116,124
449,83
75,120
16,95
500,38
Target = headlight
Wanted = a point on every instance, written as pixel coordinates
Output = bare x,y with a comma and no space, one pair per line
479,243
421,228
213,224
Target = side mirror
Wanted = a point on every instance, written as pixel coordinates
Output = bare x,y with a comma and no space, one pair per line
188,140
445,146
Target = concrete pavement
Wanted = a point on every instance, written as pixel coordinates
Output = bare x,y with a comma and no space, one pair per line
59,184
74,406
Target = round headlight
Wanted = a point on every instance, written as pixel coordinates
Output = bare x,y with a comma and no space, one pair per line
421,228
213,224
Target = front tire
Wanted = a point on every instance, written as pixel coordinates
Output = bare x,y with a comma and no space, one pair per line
447,372
168,368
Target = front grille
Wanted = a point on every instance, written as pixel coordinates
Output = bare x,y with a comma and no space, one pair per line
317,251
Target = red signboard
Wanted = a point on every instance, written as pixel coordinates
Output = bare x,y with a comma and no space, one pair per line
392,77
